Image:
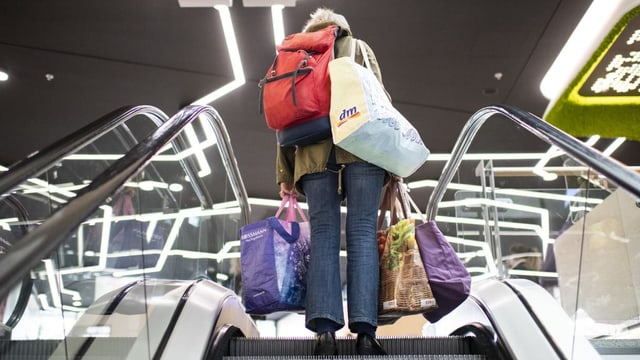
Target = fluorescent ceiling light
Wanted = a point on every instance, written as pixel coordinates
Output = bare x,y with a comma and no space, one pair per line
176,187
234,56
265,3
4,75
486,156
615,144
199,154
524,193
278,23
553,152
149,185
204,3
196,149
595,24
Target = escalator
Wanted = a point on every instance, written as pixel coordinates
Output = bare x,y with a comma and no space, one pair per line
71,265
211,319
179,299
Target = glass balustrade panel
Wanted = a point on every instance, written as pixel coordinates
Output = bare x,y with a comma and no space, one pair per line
155,227
547,218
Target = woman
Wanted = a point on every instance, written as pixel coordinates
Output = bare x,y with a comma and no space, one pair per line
327,175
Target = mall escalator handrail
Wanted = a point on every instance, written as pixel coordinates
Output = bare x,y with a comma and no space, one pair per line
43,160
614,170
22,300
229,159
44,239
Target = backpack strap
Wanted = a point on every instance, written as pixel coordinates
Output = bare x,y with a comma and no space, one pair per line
301,64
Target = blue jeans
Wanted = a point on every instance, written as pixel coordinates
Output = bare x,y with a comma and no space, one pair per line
361,186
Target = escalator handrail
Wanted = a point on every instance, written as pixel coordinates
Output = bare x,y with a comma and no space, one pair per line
44,239
22,300
229,159
590,157
43,160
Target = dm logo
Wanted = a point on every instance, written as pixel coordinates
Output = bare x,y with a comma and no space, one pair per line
348,114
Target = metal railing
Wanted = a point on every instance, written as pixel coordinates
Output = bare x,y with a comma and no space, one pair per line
615,171
41,241
48,157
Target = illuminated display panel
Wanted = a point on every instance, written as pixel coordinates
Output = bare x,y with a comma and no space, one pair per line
618,71
604,98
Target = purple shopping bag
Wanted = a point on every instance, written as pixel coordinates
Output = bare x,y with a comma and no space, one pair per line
274,257
449,279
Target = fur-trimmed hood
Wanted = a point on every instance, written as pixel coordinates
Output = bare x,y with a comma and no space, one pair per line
324,17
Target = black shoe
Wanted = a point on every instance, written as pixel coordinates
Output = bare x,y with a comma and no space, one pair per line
326,344
367,345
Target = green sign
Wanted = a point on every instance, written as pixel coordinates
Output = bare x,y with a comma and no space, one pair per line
604,98
618,72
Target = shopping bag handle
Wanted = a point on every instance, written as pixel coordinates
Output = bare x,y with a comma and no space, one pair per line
288,237
291,203
363,51
394,200
417,209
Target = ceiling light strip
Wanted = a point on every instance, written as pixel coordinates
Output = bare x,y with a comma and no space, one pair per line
553,152
443,157
595,23
559,170
278,23
524,193
234,56
615,144
543,213
201,159
52,281
52,188
27,189
171,238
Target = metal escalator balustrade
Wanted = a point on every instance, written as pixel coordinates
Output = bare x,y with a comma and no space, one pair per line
612,169
24,183
580,248
104,186
48,157
494,335
38,243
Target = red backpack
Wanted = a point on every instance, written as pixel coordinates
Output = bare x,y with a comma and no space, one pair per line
295,94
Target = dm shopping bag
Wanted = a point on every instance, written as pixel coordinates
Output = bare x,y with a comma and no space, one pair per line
449,279
365,123
404,285
274,258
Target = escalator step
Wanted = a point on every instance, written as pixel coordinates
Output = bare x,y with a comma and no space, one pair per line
27,349
100,348
361,357
393,345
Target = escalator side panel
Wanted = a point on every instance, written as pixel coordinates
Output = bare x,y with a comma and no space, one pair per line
512,322
209,307
554,320
136,324
467,312
493,304
161,298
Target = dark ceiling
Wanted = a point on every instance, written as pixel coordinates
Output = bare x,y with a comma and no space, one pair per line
438,57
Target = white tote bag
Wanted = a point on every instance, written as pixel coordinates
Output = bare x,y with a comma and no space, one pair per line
365,123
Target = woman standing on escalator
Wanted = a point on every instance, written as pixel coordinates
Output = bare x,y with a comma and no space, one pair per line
327,176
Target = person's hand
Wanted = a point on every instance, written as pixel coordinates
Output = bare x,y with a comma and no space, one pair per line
288,189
